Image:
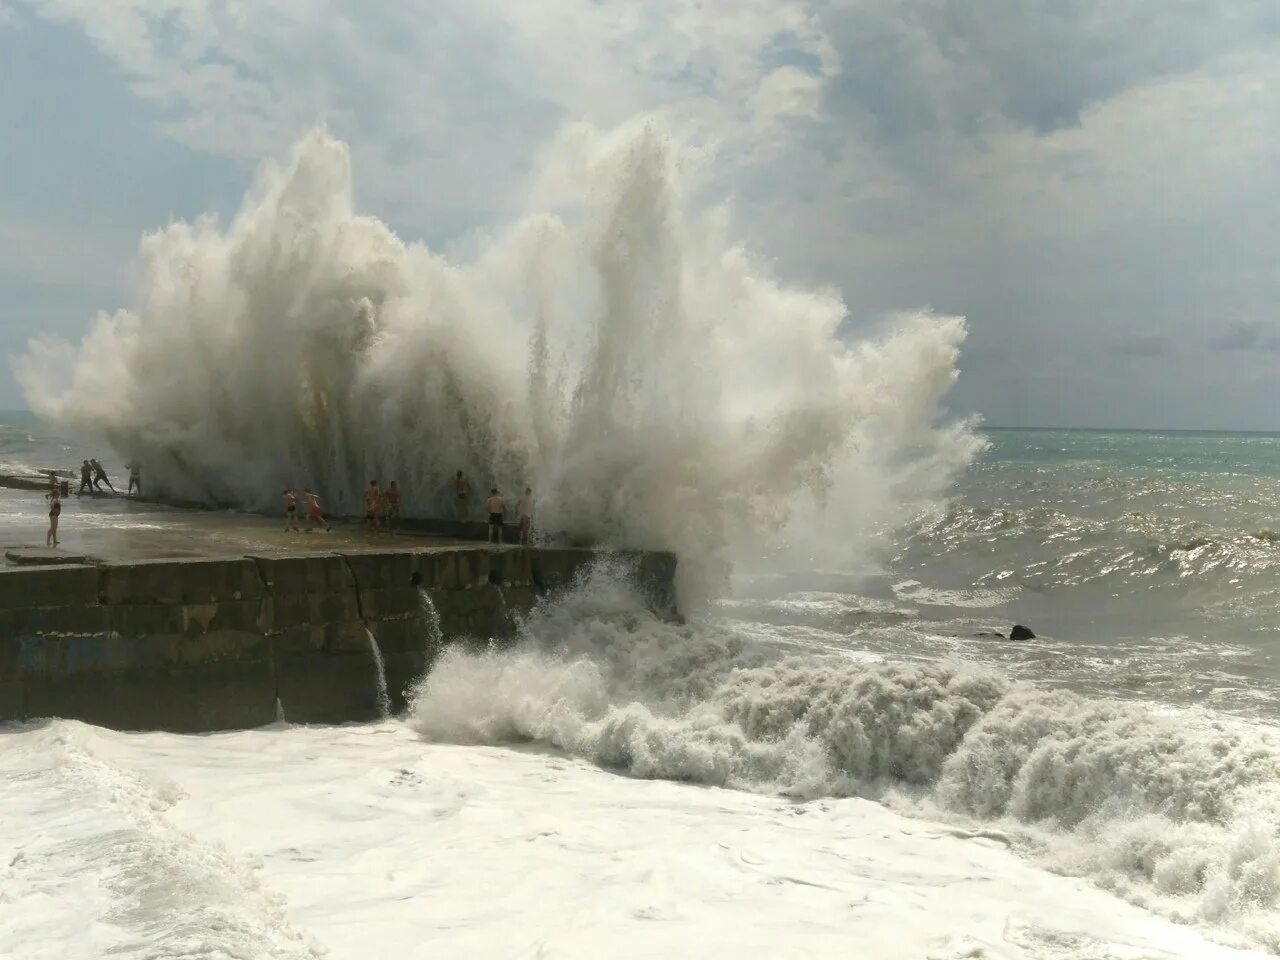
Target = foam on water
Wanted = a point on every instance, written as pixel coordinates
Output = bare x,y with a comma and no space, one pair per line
1177,813
96,841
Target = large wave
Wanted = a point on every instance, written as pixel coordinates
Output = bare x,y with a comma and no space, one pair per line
1180,815
617,351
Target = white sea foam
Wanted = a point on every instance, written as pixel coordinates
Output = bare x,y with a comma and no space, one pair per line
1182,817
363,841
620,352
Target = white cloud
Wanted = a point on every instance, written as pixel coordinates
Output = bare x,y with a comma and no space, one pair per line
445,102
1051,168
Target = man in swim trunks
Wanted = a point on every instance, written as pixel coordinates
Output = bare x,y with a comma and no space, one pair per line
373,505
86,478
315,516
524,516
135,477
496,507
290,501
392,498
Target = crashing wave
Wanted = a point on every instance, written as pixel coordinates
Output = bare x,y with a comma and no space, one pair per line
1181,817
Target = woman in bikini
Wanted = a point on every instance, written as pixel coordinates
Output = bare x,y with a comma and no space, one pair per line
55,511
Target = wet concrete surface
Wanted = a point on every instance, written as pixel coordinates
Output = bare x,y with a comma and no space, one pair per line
117,529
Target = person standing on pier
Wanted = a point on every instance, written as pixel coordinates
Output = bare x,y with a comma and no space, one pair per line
392,498
461,493
497,508
135,477
290,501
315,516
100,476
524,516
86,478
55,511
373,506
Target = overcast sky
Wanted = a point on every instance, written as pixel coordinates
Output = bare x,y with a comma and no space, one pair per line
1093,184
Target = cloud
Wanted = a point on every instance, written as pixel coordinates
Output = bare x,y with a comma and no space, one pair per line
1056,170
445,103
1249,335
1143,345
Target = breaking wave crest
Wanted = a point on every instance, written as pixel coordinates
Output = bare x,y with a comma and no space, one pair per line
616,349
1180,814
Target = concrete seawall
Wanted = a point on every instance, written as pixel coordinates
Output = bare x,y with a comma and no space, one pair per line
211,644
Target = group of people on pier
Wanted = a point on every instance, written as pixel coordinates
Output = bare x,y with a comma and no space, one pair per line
93,476
382,509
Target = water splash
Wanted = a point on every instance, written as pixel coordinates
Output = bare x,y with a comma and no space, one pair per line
1177,813
504,612
435,633
673,394
380,675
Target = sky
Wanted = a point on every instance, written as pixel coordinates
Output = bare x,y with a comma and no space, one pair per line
1091,184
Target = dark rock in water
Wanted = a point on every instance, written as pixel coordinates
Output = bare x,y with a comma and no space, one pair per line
1019,632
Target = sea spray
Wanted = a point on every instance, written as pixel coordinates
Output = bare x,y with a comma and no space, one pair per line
435,634
504,613
674,394
1183,818
379,675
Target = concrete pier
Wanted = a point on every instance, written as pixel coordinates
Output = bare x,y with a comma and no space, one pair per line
211,643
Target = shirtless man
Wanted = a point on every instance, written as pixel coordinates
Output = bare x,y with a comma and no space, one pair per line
392,498
290,501
373,506
524,516
86,478
497,507
135,477
315,516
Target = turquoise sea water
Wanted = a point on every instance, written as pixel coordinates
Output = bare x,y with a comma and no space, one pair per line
1147,562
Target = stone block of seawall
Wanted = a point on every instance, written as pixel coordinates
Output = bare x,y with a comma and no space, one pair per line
77,620
24,587
327,687
301,575
446,576
374,571
219,645
216,696
10,645
144,619
404,636
182,581
248,616
11,701
556,568
54,657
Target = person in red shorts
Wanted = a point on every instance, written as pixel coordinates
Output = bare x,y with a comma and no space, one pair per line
315,516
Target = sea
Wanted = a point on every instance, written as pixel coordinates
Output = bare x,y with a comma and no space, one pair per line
818,763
